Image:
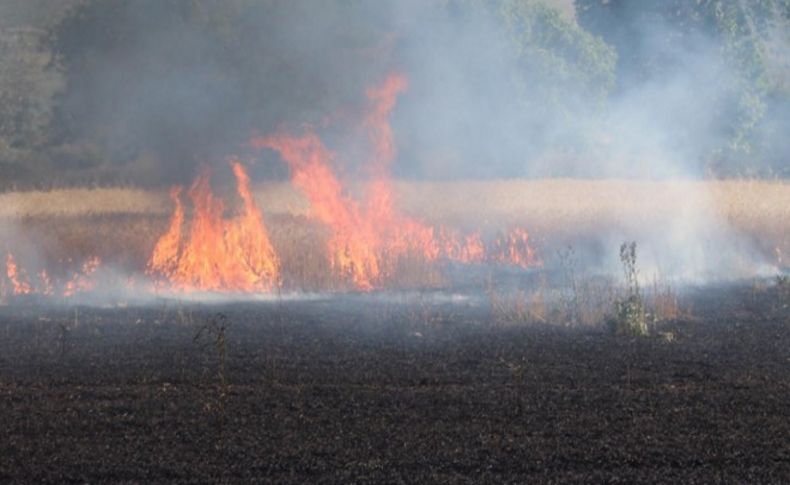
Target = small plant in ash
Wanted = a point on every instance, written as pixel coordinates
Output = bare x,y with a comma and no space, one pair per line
64,333
570,295
215,329
782,302
783,288
629,318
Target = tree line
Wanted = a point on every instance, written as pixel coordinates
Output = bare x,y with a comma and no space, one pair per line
141,91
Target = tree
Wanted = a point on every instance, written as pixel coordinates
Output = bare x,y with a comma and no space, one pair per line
30,77
515,87
566,64
749,39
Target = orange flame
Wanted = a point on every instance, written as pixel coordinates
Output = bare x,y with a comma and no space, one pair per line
165,256
366,241
383,99
361,235
353,247
466,249
19,281
81,281
514,249
217,254
369,238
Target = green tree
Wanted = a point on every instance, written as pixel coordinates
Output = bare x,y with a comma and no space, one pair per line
30,78
566,63
651,36
561,75
747,33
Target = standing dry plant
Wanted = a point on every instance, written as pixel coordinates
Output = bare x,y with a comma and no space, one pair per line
664,301
571,304
629,318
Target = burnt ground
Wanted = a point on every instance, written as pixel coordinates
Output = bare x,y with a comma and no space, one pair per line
356,391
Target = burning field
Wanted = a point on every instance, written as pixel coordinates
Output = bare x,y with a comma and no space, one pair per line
356,242
367,330
440,242
324,232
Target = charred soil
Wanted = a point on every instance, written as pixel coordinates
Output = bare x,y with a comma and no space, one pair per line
351,390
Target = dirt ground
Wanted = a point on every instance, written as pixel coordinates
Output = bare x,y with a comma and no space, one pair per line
368,389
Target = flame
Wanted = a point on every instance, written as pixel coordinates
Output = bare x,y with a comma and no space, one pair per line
514,249
382,101
18,278
464,249
81,281
46,283
370,236
205,249
165,256
354,245
217,254
367,240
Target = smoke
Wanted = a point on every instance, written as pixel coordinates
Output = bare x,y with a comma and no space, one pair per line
482,105
497,89
157,89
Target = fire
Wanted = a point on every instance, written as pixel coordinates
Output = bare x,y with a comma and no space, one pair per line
514,249
370,236
382,101
371,243
464,249
18,277
355,243
81,281
46,283
217,254
165,256
21,284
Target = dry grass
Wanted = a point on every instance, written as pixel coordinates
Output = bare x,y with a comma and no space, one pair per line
663,301
560,210
82,202
122,225
276,198
553,204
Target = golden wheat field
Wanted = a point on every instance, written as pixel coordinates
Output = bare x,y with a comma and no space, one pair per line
543,199
761,207
123,224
